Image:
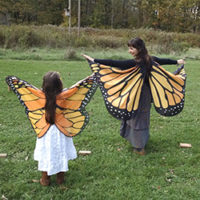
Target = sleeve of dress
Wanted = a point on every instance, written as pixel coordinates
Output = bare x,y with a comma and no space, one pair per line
121,64
164,61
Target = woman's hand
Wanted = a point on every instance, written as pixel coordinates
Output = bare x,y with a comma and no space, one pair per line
88,57
180,61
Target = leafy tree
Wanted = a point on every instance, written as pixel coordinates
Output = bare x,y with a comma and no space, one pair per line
179,15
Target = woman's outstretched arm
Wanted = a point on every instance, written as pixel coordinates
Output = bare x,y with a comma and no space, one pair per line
122,64
167,61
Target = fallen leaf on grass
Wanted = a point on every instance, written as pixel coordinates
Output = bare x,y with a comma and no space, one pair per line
64,188
169,180
9,89
26,158
3,197
35,181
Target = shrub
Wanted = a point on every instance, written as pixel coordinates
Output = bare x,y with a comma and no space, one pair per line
2,39
70,54
106,41
20,36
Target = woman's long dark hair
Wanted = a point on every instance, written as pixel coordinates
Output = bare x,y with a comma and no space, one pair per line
52,86
142,56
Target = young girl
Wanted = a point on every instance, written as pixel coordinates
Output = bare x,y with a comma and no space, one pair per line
136,129
54,114
54,149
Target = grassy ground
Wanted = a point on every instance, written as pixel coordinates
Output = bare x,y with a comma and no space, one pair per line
112,171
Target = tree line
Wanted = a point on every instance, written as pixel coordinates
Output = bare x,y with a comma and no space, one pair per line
167,15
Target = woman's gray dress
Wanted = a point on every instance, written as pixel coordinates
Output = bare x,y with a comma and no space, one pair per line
136,130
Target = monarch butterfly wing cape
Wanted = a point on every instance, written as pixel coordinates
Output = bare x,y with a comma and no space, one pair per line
34,101
121,89
168,90
71,116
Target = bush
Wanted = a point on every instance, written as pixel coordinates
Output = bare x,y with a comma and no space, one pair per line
20,37
107,42
70,54
2,39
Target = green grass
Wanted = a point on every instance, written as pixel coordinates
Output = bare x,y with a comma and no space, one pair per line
112,171
69,54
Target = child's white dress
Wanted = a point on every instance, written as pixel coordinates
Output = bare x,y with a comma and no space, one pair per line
53,151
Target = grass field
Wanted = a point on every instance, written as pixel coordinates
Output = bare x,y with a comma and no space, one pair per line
112,171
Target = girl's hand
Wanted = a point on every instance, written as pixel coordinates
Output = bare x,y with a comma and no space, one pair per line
88,57
181,61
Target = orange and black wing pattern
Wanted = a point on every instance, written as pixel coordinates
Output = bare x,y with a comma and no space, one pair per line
168,90
71,116
34,101
121,89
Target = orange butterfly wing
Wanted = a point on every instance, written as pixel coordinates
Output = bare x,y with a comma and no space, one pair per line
121,89
34,101
168,90
71,116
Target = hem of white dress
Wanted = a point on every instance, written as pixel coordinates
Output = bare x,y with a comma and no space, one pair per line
52,172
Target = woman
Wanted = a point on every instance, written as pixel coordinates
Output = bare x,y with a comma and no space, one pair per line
136,130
